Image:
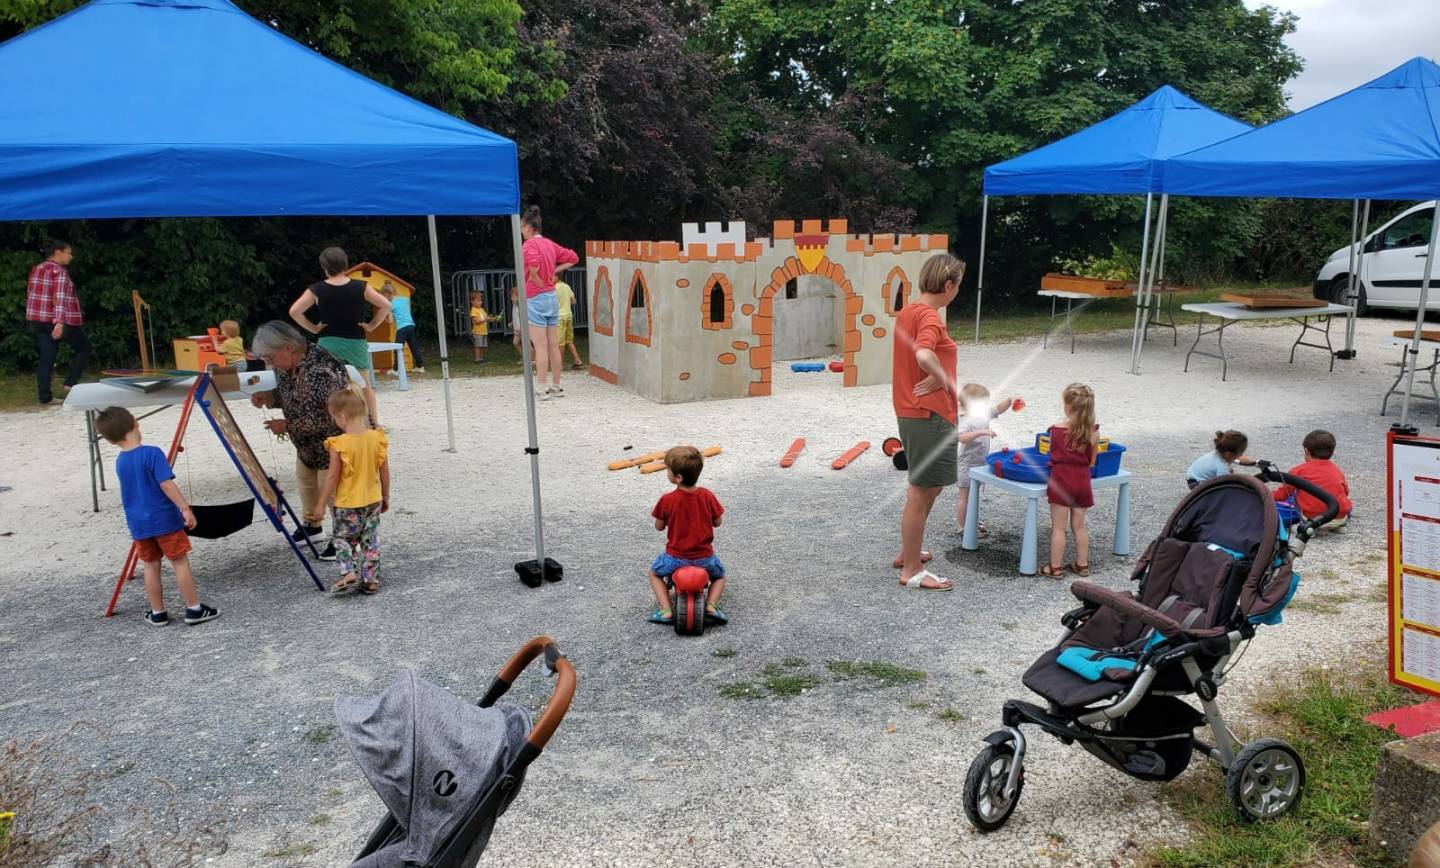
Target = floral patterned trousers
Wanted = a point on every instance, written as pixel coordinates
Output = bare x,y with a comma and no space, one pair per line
357,541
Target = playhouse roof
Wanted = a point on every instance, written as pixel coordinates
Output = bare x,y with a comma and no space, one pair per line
360,268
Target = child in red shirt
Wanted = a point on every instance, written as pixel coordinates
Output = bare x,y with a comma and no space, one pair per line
689,516
1319,469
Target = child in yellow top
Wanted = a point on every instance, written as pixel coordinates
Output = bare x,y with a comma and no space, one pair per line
479,326
359,482
233,346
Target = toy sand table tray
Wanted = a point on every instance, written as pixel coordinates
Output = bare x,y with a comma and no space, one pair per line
1095,286
1274,299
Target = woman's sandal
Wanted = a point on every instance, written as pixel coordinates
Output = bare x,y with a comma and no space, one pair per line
1082,570
1050,571
368,588
925,558
917,582
346,583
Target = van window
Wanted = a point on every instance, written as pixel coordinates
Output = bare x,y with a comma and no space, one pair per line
1412,230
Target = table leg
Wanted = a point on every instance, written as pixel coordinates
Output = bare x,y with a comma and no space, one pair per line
1122,520
1395,386
1069,327
1220,344
1199,332
92,450
1030,536
1305,326
970,541
1050,324
400,365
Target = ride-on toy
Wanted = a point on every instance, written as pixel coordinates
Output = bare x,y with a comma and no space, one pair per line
689,589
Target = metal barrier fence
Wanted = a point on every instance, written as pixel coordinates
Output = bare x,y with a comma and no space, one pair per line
494,285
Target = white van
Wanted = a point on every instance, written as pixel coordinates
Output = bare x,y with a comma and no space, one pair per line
1392,267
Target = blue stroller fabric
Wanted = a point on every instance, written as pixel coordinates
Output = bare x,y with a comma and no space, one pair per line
1094,665
429,755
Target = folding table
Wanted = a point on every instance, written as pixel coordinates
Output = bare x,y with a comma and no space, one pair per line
1228,313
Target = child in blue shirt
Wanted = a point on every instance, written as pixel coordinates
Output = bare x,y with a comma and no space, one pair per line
157,514
1229,450
404,326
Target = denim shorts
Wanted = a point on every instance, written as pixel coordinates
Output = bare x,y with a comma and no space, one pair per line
543,309
665,564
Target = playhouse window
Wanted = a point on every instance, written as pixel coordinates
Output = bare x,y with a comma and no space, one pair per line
637,316
792,288
717,304
604,303
897,291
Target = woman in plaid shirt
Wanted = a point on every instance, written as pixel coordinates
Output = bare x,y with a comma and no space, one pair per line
52,313
306,376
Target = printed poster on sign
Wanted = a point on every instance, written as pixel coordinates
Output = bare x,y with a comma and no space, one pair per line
1414,548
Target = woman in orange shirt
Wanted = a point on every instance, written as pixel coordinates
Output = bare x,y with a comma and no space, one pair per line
924,390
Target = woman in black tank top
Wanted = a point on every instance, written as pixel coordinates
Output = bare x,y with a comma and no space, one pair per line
334,309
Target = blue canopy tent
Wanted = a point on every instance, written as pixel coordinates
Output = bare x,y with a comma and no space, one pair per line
1378,141
191,108
1119,155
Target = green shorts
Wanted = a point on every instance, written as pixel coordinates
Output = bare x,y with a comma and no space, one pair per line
931,450
351,351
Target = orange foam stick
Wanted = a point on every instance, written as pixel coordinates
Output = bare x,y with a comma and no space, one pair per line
657,466
710,451
793,452
850,455
636,461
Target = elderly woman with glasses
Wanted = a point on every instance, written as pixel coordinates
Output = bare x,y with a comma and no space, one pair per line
306,376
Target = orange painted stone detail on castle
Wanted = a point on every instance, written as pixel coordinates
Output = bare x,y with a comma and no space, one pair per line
726,358
739,345
602,374
684,375
868,319
747,309
718,297
682,282
879,333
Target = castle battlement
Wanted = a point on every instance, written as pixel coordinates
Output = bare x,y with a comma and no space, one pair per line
749,251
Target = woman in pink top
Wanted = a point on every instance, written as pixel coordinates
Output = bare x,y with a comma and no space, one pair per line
543,260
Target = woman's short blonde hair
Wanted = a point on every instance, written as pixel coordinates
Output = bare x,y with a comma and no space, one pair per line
938,270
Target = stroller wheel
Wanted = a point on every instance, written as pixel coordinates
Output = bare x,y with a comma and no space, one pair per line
986,804
1266,780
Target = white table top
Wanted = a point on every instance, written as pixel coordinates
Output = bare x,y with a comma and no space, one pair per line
384,347
1405,342
1036,489
1232,311
98,396
1061,293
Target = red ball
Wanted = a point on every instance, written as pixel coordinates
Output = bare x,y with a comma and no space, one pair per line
1016,458
690,580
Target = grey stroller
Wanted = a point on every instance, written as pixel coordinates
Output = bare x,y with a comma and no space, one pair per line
1222,566
446,769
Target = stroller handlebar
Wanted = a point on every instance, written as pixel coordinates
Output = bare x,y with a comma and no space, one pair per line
1270,473
560,697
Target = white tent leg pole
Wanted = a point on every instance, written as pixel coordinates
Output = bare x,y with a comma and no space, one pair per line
533,450
1350,284
1414,355
1157,266
1352,297
980,280
1144,251
440,330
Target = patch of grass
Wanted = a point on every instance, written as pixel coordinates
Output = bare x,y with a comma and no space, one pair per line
949,715
917,704
1321,715
1320,604
1009,626
291,851
335,792
1328,575
1379,594
880,673
773,669
320,820
727,651
742,690
790,685
320,734
979,670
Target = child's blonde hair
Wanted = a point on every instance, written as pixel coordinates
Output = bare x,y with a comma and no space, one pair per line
974,392
1079,400
230,328
348,402
387,289
477,295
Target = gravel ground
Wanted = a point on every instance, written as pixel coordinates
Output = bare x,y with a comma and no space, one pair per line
229,725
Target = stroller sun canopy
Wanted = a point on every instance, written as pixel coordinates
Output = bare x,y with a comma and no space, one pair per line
429,755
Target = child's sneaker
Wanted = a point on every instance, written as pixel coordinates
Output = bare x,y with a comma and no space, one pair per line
327,553
557,392
200,614
304,531
715,616
157,619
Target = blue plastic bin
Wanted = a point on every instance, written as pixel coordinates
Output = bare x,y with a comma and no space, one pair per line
1107,463
1032,467
1289,512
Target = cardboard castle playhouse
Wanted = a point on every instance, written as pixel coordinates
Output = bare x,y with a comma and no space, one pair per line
708,316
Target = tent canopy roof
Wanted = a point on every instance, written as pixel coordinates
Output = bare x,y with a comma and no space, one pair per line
1117,155
1378,141
141,108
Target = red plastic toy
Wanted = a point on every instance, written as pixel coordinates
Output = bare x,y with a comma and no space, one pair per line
837,367
793,452
850,455
691,586
1016,458
890,445
1017,404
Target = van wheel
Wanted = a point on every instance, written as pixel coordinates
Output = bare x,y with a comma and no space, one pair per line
1341,285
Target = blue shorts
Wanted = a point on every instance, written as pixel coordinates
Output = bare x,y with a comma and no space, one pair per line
543,309
665,564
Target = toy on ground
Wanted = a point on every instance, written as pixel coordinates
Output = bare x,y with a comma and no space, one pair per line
793,452
850,455
1113,683
809,367
1017,404
837,367
638,460
895,450
689,588
657,466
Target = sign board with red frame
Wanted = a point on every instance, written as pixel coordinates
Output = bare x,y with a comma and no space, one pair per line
1413,537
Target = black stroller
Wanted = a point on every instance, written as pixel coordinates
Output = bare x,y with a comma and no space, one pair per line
1222,564
447,769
